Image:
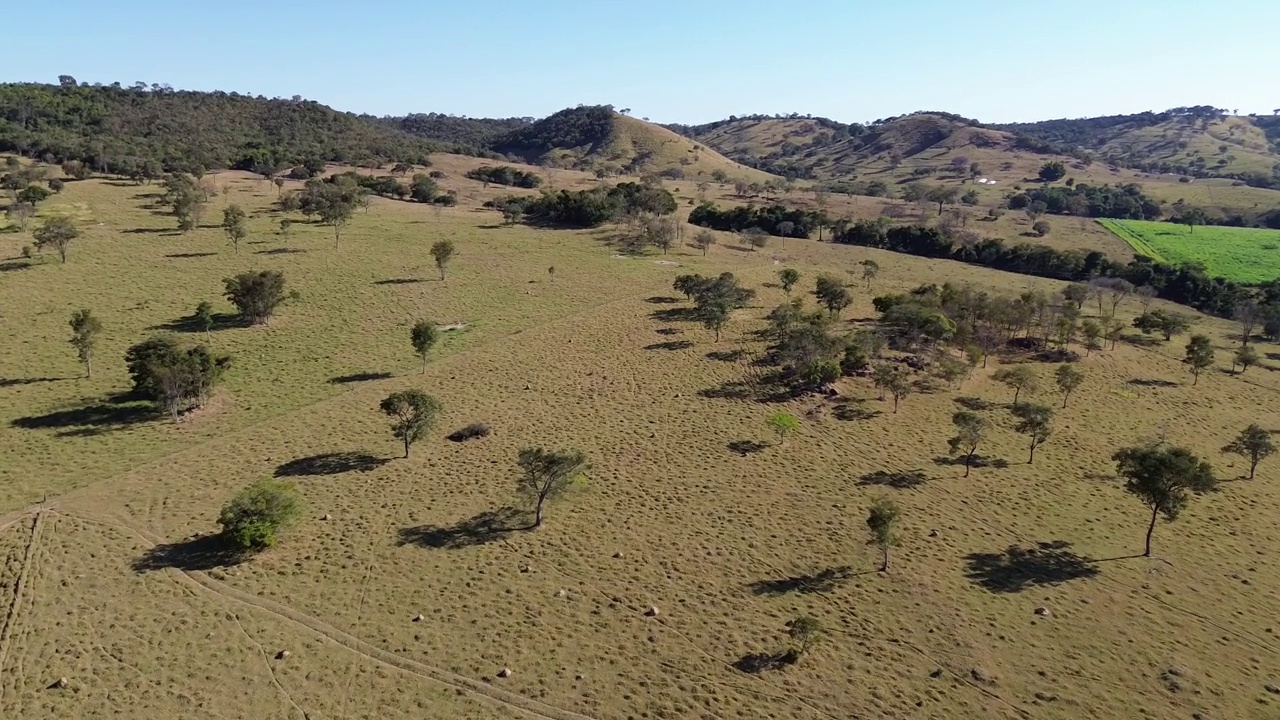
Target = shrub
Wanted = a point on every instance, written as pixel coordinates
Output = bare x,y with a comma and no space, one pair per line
1040,227
253,519
256,295
505,175
469,432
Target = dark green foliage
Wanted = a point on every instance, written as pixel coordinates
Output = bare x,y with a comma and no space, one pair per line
1254,444
256,294
234,225
583,129
714,298
769,219
505,175
56,232
832,294
1034,421
253,519
423,189
203,316
85,329
57,184
1163,477
547,475
882,520
1053,170
412,414
1168,324
969,430
472,135
1199,356
33,194
1126,201
788,278
424,336
174,376
592,208
443,251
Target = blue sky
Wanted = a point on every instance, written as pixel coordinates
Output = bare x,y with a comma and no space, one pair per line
674,61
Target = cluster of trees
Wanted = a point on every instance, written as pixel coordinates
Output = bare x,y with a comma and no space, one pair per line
772,219
589,208
505,175
1125,201
714,298
583,127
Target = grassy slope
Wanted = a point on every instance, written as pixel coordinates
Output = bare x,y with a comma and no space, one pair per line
1248,255
708,536
1244,140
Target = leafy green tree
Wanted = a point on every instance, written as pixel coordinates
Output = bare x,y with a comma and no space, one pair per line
882,520
1068,378
424,335
57,232
173,376
832,293
443,251
1244,357
660,232
203,316
1053,170
715,316
704,239
1076,293
755,238
548,475
1254,444
412,414
256,294
783,423
1199,356
807,631
942,195
1192,218
1168,324
899,387
33,195
870,268
85,329
234,225
788,278
254,518
1163,476
969,431
1019,377
1034,421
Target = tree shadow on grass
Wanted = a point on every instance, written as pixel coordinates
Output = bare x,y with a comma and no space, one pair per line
670,345
92,419
13,266
205,552
358,377
662,300
675,314
1143,341
190,324
855,410
727,355
190,254
10,382
975,404
747,447
1018,569
668,331
399,281
489,526
898,480
1151,382
754,663
331,464
822,581
978,461
279,251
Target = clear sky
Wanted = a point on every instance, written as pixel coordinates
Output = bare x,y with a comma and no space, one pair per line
673,60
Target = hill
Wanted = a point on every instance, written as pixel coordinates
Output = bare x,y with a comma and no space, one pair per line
116,129
473,134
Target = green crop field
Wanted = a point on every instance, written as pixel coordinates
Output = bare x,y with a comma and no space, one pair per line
1247,255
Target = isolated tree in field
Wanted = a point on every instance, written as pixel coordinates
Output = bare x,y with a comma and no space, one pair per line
1163,476
85,329
882,521
704,239
234,225
256,294
443,251
715,316
942,194
807,631
1192,218
21,213
870,268
882,376
203,316
58,233
969,430
1035,211
424,335
285,224
899,387
1254,444
412,414
1248,313
548,475
1244,356
1036,422
1168,324
1076,294
832,294
279,183
1041,228
1092,331
1068,378
253,519
782,423
1019,377
755,238
788,278
1199,356
1053,170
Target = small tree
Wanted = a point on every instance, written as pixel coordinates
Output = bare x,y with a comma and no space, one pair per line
253,519
1076,293
285,224
1145,294
704,239
443,251
412,414
1036,422
1163,476
1199,356
256,294
1244,357
870,268
969,429
547,475
755,238
21,212
1168,324
788,279
715,316
203,316
424,335
234,225
1019,377
899,387
833,295
807,631
84,336
882,520
1041,228
1248,313
56,232
1068,378
1092,331
1254,444
782,423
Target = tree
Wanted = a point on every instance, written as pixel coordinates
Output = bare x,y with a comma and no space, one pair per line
807,631
660,232
882,520
21,212
1018,377
1040,228
899,387
832,293
1034,421
1092,332
56,232
969,429
173,376
1199,356
1163,476
785,228
1145,295
942,195
1244,357
253,519
870,268
715,316
788,278
1254,444
84,336
443,251
547,475
412,414
256,294
1053,170
755,238
1192,218
1168,324
1076,293
234,225
424,336
203,316
1068,378
782,423
1248,313
704,239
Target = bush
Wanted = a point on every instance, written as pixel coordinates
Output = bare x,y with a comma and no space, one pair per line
1040,227
256,295
253,519
470,432
436,175
446,200
57,184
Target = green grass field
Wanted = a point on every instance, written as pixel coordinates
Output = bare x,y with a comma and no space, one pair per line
1247,255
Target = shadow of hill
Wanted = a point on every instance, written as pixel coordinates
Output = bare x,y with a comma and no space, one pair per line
1017,569
822,581
330,464
487,527
205,552
899,480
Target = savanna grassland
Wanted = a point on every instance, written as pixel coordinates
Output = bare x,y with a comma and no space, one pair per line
1247,255
395,596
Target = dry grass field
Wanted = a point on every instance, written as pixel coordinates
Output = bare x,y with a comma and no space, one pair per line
393,597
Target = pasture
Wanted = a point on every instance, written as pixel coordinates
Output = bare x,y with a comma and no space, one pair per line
1016,592
1245,255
